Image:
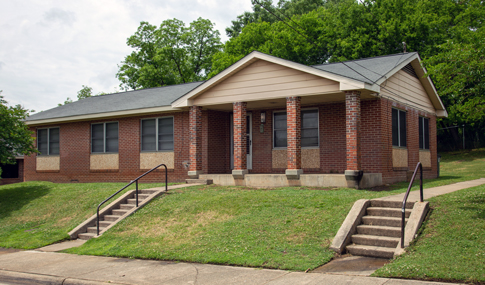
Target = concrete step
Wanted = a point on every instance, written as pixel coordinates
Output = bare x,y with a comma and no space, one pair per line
118,212
86,236
387,212
126,207
199,181
382,221
93,230
147,191
104,223
379,231
372,251
133,201
390,204
111,218
381,241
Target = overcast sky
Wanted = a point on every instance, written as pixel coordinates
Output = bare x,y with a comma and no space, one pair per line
50,48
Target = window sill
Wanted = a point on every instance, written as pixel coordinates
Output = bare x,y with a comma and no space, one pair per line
104,170
47,171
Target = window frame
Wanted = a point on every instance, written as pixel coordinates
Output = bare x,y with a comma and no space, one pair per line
318,128
301,128
401,144
157,148
425,138
273,130
104,137
48,141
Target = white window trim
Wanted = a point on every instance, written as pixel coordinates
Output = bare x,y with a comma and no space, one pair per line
48,141
156,134
303,147
104,137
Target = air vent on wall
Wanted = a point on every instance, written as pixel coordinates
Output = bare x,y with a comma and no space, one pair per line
410,70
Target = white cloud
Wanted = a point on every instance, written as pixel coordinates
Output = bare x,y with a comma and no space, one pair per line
50,48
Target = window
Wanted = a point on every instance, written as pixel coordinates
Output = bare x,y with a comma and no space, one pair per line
309,128
104,137
398,128
48,141
279,129
157,134
423,133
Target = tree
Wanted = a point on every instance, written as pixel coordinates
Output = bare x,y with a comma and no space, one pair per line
170,54
15,136
85,92
287,8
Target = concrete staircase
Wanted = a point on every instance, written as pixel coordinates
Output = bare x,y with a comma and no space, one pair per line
373,227
113,213
379,233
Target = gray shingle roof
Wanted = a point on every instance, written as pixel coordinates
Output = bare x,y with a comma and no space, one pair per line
367,70
131,100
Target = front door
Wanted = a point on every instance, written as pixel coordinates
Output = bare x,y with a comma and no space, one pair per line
249,141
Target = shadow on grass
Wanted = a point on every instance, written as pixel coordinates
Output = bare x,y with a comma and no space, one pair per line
467,155
16,197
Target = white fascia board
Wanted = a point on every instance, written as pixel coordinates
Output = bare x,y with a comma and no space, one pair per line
97,116
441,114
346,83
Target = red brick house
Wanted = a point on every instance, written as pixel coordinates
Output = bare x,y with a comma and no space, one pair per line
263,121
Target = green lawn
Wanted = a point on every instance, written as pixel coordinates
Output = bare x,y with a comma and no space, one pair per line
35,214
451,246
286,228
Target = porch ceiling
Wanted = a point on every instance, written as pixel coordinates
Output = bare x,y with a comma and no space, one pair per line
280,103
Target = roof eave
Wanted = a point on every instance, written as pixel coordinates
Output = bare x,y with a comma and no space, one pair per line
96,116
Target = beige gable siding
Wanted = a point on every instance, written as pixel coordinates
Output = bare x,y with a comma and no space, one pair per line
265,80
405,88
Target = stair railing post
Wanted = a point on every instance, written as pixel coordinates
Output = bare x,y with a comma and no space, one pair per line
97,222
421,182
136,193
166,179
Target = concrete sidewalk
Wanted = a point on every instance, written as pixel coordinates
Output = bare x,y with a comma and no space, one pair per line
435,191
44,267
35,267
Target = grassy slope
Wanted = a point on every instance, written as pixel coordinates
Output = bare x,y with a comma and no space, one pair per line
288,228
451,246
35,214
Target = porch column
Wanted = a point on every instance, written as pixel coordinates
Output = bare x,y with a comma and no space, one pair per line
353,174
195,135
293,149
240,141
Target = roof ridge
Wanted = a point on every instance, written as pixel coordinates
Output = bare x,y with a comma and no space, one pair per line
365,58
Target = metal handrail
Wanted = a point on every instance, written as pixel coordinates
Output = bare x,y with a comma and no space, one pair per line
136,192
403,219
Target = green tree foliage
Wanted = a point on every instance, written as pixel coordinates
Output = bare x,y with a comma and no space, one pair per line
170,54
287,8
15,136
85,92
351,29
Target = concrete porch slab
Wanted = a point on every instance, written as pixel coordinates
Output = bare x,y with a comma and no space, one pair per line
280,180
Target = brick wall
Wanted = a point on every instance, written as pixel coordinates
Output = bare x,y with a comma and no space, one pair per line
75,153
218,142
20,163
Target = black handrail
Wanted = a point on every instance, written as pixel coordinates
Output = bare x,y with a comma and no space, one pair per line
136,192
403,220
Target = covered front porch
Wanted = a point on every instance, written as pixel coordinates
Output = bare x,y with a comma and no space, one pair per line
267,123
